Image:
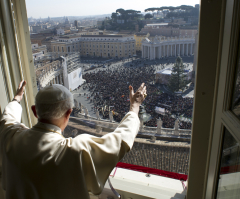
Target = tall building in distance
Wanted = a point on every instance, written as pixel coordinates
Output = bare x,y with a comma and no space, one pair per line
76,23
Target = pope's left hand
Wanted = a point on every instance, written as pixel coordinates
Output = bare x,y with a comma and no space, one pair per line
20,91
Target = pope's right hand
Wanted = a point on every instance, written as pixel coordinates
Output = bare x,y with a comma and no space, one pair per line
137,98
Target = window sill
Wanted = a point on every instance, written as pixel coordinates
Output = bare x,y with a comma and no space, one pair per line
137,185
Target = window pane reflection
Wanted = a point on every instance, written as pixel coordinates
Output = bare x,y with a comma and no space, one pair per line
236,93
229,177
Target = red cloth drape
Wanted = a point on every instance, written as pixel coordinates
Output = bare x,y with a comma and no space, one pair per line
163,173
230,169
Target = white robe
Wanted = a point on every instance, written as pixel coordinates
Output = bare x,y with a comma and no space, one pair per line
40,163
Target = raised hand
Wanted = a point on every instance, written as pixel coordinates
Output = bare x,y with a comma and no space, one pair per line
20,91
137,98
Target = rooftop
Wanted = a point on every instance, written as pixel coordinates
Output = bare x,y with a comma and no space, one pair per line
101,36
158,24
140,33
166,72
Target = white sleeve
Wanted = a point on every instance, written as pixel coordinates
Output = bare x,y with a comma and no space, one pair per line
128,128
100,155
9,125
10,121
12,113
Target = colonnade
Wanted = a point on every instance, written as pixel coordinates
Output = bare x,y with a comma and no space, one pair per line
49,73
56,79
53,77
167,48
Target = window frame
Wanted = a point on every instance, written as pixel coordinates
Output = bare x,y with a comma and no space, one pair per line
19,54
225,118
209,49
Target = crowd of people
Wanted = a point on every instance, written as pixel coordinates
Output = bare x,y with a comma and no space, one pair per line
109,92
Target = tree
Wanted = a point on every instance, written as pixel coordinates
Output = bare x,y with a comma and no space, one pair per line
171,8
178,78
114,16
148,16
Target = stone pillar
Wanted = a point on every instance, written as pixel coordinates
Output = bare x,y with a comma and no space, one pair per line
167,50
141,123
148,52
175,50
160,51
171,49
61,79
75,103
154,54
191,48
182,49
86,112
97,114
80,107
74,132
187,49
179,50
176,129
98,129
110,116
142,51
153,139
159,126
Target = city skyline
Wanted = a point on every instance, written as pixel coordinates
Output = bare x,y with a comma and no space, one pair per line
44,8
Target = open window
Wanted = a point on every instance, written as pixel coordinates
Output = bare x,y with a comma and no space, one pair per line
215,130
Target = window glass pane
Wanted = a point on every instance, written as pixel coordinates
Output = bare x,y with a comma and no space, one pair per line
229,177
236,92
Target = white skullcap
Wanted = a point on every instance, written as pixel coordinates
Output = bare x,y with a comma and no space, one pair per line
53,94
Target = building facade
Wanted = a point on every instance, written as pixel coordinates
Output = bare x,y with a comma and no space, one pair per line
72,71
111,46
60,31
139,37
164,29
108,46
167,47
38,52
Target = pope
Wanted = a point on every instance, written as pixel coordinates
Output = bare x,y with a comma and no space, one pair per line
39,162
